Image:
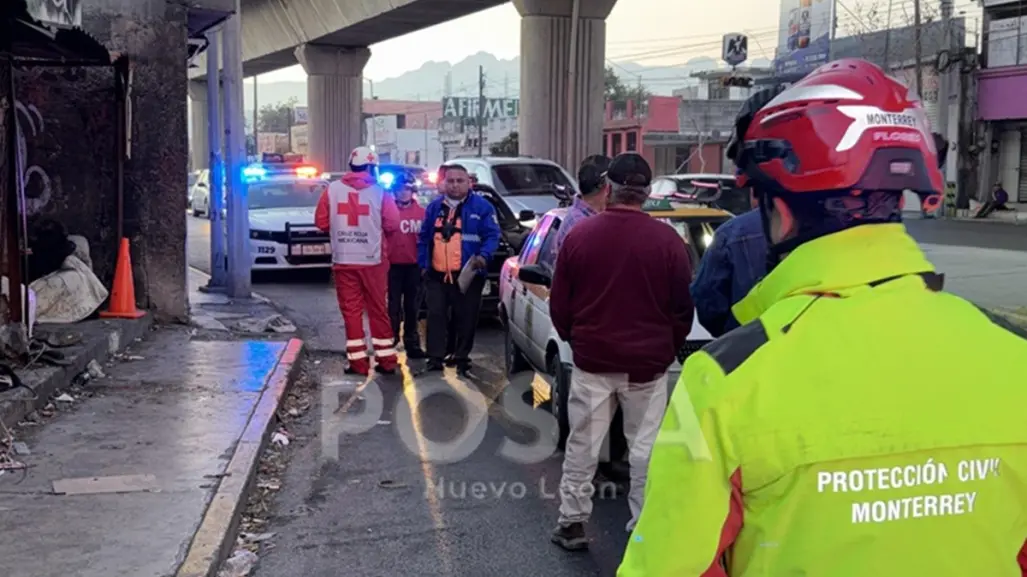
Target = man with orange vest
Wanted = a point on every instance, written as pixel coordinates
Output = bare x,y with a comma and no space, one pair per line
358,215
458,228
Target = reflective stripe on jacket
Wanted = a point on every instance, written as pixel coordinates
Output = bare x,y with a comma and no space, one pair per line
860,422
447,241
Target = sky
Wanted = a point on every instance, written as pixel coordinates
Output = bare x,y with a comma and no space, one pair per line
685,29
649,32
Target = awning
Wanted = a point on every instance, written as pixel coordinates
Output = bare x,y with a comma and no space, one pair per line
28,39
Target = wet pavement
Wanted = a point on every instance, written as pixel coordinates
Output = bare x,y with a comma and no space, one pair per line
167,413
380,510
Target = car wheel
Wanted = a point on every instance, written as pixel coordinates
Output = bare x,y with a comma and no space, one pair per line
515,361
559,397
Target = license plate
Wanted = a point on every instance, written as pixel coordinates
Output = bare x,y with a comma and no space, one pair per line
311,249
487,289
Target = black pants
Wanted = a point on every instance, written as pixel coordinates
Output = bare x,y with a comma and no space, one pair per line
448,309
404,300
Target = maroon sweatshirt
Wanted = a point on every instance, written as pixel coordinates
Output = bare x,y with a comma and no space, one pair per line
620,294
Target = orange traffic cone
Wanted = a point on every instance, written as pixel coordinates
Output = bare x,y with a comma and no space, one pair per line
123,293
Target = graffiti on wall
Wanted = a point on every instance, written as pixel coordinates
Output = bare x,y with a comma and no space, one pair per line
63,12
35,181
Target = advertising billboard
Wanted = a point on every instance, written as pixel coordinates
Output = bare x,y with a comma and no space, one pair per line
804,35
60,12
467,107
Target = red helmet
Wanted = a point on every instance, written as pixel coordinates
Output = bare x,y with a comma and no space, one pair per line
847,127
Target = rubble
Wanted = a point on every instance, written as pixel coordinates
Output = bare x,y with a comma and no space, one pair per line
275,323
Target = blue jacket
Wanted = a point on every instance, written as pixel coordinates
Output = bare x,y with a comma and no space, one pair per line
480,230
728,271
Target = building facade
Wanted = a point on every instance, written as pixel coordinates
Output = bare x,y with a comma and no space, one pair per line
1001,112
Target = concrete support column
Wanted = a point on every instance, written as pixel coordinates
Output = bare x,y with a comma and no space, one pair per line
557,121
335,97
199,146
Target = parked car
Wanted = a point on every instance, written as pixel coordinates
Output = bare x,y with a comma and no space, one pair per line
193,177
531,340
529,186
199,194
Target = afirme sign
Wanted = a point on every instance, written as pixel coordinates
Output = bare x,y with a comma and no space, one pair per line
61,12
467,107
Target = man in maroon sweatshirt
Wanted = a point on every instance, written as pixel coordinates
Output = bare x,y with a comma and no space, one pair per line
404,274
620,298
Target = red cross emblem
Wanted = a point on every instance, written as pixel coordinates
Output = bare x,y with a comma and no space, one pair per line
352,209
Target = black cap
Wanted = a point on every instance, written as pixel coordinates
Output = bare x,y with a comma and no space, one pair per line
630,169
591,171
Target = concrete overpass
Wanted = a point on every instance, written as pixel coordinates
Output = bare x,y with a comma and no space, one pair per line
331,40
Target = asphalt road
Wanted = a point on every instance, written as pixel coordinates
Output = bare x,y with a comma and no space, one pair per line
384,509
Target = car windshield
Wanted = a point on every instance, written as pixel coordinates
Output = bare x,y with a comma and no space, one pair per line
529,179
697,232
284,194
193,177
732,199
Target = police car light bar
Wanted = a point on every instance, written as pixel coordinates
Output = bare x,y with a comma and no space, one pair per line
254,171
386,179
306,171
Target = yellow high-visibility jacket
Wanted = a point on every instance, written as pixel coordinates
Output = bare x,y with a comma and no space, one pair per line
861,423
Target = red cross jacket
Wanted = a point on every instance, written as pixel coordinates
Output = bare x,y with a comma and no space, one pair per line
389,214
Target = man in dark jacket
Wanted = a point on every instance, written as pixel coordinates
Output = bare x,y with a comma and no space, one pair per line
620,298
732,265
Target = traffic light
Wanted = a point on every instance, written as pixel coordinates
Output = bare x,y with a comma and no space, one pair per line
740,81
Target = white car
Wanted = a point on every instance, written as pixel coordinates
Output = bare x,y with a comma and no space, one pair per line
531,340
282,231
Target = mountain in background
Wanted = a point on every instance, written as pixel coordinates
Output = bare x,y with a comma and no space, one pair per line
502,80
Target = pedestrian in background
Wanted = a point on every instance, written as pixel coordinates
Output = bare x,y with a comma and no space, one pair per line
404,274
459,229
595,192
732,265
624,331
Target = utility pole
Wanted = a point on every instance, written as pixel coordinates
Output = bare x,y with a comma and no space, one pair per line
945,85
235,159
256,107
374,117
887,40
481,111
218,273
918,48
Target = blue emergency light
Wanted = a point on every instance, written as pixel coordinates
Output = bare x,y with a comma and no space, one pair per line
254,172
386,179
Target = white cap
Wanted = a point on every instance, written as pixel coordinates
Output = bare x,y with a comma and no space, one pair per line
362,156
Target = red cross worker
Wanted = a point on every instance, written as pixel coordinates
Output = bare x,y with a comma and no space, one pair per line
358,215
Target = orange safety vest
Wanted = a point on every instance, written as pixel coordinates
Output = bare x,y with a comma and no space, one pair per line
446,251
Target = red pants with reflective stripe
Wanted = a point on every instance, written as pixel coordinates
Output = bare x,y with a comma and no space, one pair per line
363,289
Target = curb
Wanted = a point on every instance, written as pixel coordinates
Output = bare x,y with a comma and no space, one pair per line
19,403
215,537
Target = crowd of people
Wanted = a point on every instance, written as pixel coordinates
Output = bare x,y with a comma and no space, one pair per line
829,428
389,253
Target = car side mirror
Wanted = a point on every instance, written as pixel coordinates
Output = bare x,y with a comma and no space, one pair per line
526,215
201,184
534,274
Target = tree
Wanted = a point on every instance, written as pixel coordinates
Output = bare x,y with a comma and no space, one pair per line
276,117
617,91
509,146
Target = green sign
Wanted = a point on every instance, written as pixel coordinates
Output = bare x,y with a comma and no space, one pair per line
657,204
467,107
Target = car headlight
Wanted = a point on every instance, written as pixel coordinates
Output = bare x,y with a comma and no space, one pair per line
260,234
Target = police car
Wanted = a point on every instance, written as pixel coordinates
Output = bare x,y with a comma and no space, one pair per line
531,340
282,200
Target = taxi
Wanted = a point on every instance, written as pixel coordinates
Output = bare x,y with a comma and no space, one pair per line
531,340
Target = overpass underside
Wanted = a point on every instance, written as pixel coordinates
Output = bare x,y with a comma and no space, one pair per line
562,62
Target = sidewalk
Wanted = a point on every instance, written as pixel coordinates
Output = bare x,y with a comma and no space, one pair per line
143,472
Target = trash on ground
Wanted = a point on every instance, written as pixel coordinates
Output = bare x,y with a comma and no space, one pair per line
102,485
256,537
279,438
95,370
275,323
20,448
239,564
64,398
